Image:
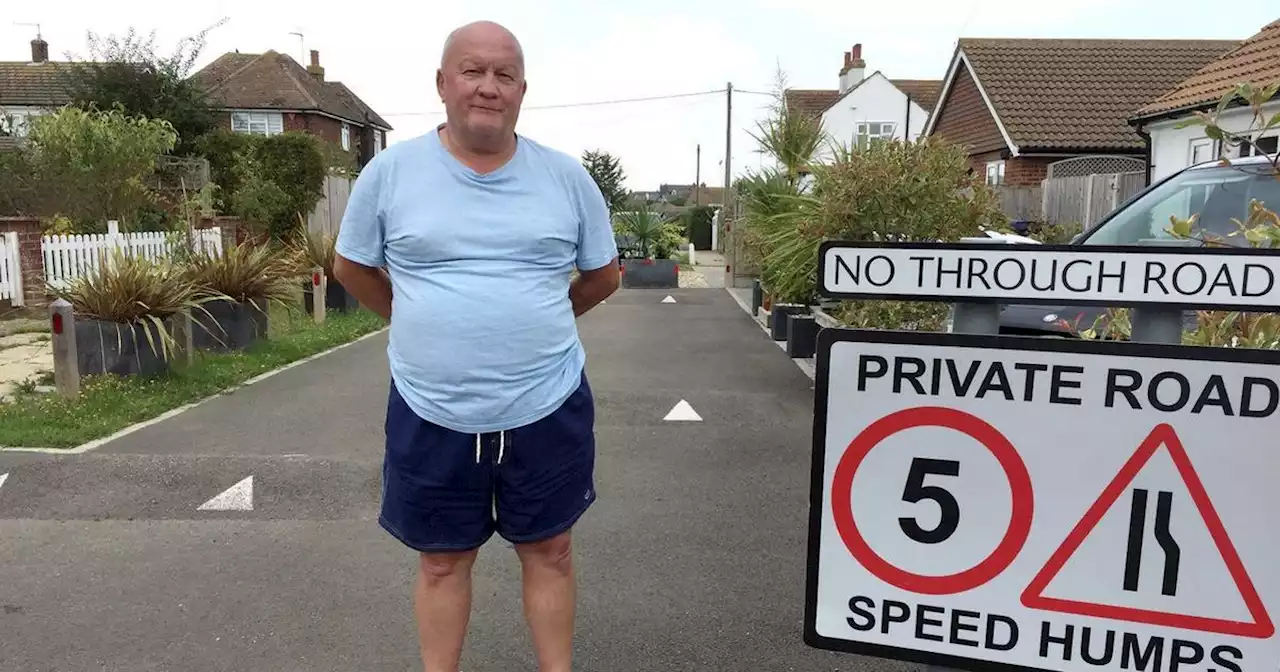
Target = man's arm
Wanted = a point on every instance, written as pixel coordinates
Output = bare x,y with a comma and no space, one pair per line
371,286
358,253
598,270
592,287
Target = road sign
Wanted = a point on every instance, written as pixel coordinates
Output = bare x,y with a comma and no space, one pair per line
987,272
1002,503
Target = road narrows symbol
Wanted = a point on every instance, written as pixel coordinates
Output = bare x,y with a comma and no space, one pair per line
1033,596
1023,501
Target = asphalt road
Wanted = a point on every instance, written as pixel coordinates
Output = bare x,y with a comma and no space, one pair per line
693,558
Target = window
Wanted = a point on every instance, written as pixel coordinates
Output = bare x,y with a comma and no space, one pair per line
1201,150
15,123
1266,145
995,172
257,123
1219,195
346,136
868,131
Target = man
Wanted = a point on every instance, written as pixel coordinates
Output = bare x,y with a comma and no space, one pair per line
489,411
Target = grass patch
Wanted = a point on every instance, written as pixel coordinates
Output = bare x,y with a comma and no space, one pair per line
108,404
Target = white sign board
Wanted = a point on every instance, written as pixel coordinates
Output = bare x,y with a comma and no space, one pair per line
981,504
1190,277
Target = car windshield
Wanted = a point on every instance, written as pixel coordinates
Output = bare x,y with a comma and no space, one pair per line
1220,195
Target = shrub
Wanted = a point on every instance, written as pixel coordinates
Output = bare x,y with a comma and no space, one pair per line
268,181
92,165
646,234
244,273
888,191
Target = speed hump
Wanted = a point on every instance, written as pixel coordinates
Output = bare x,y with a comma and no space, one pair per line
999,503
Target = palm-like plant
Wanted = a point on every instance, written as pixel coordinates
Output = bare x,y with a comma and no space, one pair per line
643,229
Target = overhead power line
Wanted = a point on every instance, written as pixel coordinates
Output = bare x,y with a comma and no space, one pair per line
557,106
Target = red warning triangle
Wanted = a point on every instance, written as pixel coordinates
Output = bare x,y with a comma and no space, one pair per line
1163,435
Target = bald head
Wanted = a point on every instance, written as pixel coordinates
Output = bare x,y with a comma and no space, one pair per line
479,34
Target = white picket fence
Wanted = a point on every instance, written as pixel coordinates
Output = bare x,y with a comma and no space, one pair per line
10,270
67,257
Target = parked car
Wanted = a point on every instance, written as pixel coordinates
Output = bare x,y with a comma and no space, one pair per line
1216,192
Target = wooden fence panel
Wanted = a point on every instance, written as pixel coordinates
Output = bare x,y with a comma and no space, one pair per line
327,215
1084,200
10,269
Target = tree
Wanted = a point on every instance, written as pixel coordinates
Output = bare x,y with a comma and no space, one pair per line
606,170
127,72
94,164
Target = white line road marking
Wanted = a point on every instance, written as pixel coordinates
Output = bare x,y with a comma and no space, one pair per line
683,412
3,478
238,497
97,443
669,299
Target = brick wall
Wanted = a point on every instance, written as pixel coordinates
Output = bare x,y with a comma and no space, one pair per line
31,258
1027,171
326,127
965,119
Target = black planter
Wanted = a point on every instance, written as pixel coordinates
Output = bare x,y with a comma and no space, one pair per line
136,349
780,316
802,336
224,326
650,273
336,297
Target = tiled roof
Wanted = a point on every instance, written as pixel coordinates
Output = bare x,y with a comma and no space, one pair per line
1067,94
273,80
924,91
811,101
34,84
1256,61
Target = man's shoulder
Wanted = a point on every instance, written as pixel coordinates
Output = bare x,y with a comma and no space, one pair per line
558,160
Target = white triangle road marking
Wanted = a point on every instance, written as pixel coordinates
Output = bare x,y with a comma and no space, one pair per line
238,497
683,412
669,299
3,478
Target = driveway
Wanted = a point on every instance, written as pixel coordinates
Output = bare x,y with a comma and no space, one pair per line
693,558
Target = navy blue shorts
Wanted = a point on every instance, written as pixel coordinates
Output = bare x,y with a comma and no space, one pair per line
444,490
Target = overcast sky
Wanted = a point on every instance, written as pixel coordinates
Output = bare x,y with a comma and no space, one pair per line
586,51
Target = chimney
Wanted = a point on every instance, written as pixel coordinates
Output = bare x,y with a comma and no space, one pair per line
39,51
853,70
315,69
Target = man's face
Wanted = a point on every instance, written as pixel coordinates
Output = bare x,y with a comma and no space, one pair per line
482,84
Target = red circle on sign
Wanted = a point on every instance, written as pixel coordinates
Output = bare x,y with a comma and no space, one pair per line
977,429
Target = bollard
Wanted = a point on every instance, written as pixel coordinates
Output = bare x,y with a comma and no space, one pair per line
692,255
183,344
319,287
66,363
757,297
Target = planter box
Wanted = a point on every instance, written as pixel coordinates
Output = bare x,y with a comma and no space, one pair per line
224,326
780,315
650,273
122,349
802,336
336,297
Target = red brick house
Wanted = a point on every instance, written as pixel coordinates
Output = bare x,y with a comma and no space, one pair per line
1023,105
270,93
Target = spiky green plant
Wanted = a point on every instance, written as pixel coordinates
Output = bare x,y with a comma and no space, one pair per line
130,289
246,272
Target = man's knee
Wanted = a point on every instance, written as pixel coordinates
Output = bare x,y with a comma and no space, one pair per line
442,566
555,553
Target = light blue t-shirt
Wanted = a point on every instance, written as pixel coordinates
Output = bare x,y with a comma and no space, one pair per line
483,335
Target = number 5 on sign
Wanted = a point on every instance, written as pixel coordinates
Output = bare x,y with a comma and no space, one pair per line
917,491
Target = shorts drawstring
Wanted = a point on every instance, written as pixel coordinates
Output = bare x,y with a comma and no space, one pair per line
502,446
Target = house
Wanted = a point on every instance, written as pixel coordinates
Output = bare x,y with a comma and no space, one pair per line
30,88
1255,61
270,93
1029,108
865,108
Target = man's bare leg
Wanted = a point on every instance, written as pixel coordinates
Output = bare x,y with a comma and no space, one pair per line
549,595
442,603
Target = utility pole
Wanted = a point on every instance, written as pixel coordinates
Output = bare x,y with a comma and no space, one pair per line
724,208
697,179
